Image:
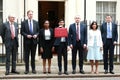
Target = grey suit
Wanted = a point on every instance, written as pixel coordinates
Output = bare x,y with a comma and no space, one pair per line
11,45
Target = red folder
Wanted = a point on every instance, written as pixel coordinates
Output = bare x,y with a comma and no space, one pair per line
61,32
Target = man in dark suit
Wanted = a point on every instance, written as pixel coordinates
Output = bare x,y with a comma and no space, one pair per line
30,32
9,33
77,41
109,36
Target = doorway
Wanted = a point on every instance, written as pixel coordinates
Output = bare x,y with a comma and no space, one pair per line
52,11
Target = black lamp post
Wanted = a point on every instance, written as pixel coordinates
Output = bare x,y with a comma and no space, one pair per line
24,8
85,11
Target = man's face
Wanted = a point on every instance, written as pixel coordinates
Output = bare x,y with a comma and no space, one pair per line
77,19
30,15
11,19
108,19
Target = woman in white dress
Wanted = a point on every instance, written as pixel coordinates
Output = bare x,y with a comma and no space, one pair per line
94,47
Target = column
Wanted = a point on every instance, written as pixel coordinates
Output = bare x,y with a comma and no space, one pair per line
32,5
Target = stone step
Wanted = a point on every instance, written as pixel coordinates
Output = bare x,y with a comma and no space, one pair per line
39,76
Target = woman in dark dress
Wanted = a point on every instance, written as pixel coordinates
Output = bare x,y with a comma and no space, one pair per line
46,44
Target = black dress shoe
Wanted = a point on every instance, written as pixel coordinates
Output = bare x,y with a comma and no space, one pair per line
73,72
59,73
66,72
15,72
82,72
34,71
106,71
49,72
26,72
7,73
44,72
112,72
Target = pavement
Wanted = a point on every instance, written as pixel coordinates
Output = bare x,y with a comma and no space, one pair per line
54,73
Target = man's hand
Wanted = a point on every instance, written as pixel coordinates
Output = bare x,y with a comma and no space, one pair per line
71,46
29,36
34,36
84,46
115,43
41,50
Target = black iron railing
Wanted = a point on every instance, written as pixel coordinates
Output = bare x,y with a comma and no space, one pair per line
20,56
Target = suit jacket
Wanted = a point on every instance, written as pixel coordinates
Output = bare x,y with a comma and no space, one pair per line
58,41
42,37
90,41
104,32
25,31
72,34
6,34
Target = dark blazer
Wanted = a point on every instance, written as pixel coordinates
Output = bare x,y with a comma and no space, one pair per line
6,34
104,32
25,31
42,37
72,34
58,41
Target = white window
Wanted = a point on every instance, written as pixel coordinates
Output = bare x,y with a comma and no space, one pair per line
105,8
1,11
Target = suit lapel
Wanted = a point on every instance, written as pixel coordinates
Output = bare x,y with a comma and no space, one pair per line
80,29
15,29
105,27
34,28
112,27
74,28
27,26
43,31
8,26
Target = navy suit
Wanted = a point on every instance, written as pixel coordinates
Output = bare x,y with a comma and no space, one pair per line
108,45
61,49
77,45
29,44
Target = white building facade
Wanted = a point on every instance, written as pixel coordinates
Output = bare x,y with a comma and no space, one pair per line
95,9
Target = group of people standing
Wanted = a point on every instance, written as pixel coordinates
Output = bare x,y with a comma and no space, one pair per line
78,40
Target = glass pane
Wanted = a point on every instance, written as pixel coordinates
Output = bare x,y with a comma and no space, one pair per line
113,17
98,18
112,6
99,6
105,7
1,4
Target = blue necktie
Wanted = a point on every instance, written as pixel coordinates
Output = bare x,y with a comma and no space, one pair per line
109,33
31,30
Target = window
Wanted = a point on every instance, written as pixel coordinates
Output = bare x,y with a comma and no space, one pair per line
104,8
1,11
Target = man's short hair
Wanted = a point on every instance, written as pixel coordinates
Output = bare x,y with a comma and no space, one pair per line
29,11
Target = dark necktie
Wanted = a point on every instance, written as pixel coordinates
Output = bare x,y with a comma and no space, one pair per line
77,33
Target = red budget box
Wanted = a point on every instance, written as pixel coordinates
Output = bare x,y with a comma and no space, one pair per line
61,32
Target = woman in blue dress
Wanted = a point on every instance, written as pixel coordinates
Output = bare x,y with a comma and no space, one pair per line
94,47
